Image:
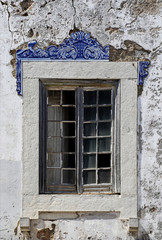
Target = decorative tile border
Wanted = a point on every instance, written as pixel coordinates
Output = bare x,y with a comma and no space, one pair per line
143,71
80,46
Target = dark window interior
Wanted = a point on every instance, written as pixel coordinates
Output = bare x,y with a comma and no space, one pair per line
76,127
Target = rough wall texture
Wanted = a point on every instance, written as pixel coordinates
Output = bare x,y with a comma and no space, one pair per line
133,30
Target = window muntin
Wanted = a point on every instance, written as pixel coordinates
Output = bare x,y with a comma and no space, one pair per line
80,132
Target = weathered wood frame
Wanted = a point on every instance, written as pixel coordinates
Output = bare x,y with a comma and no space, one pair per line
65,84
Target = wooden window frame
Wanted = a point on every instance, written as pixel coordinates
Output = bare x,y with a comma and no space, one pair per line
114,185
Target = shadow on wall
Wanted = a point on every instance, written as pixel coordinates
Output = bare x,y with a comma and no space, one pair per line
143,234
145,237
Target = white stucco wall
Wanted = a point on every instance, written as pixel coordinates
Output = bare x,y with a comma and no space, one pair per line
133,29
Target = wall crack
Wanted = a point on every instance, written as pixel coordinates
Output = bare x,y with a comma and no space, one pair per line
74,8
8,21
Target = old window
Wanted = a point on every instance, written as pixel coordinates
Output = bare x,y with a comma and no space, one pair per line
78,151
79,78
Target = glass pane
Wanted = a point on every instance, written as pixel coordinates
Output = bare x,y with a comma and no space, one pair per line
69,144
54,129
53,176
54,113
104,129
54,97
68,97
69,176
90,129
54,144
89,145
105,97
68,113
90,97
89,177
104,144
68,129
104,113
104,176
53,160
89,114
104,160
89,161
68,161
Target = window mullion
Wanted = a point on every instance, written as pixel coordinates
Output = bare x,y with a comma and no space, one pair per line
97,140
61,154
79,139
42,136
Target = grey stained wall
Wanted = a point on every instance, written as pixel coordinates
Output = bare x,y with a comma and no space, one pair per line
133,30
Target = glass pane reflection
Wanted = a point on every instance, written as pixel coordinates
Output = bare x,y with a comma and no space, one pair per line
90,114
89,145
104,129
104,113
104,144
69,176
54,97
53,160
68,161
89,177
90,97
104,160
54,113
104,176
68,129
54,144
54,129
69,145
89,161
105,97
68,97
90,129
53,176
68,113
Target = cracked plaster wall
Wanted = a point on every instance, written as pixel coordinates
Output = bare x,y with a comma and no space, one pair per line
132,28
